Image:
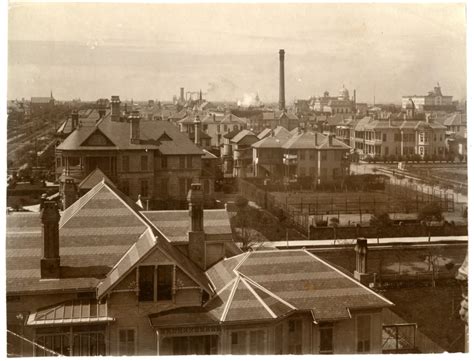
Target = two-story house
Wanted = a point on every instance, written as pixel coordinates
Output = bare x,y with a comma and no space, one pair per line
107,278
149,158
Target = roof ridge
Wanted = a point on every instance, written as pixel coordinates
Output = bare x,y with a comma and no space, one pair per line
235,270
229,300
220,291
259,299
87,197
350,278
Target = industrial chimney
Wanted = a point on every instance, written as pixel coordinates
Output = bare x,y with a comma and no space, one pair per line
197,237
115,108
282,80
50,263
181,94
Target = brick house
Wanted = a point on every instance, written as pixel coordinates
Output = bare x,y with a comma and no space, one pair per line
106,278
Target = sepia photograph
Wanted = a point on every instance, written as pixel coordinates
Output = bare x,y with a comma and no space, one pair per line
190,178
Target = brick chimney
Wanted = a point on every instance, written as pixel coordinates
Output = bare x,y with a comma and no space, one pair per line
197,237
50,263
134,120
74,119
115,108
69,192
197,131
360,272
330,138
281,102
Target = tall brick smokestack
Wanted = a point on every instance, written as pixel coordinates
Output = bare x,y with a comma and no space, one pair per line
282,80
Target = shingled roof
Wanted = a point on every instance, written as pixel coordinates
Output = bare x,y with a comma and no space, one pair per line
102,236
268,285
117,137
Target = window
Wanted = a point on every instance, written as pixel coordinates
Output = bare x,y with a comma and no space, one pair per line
302,171
238,343
363,333
422,137
397,137
160,276
386,150
326,338
225,127
164,162
125,163
324,156
189,345
295,332
204,127
144,163
312,171
126,186
302,154
257,342
146,283
181,161
127,342
218,128
422,151
144,187
206,186
58,162
189,161
311,154
164,187
384,137
182,186
164,283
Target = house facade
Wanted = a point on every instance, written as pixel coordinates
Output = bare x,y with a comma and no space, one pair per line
150,159
392,137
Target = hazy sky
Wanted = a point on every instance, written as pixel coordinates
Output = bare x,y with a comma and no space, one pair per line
148,51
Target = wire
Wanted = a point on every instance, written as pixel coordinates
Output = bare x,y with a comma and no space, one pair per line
34,343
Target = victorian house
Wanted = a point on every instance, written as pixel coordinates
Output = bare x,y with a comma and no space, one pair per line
105,277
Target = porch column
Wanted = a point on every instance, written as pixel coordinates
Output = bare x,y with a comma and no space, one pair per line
157,343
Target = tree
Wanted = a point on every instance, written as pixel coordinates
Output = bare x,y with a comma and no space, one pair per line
380,221
431,212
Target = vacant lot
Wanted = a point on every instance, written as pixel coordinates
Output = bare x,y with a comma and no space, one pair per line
435,310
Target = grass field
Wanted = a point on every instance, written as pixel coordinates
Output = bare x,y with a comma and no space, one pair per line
435,310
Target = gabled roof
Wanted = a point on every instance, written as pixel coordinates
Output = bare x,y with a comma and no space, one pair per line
92,179
119,134
100,235
175,224
240,137
270,285
269,142
307,140
456,119
279,132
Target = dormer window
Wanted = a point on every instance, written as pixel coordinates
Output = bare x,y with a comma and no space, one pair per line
155,283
